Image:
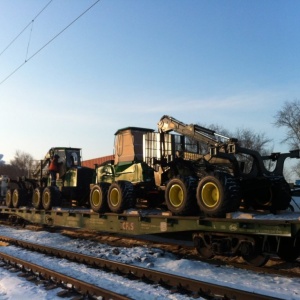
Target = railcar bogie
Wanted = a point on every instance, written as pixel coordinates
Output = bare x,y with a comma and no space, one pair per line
255,250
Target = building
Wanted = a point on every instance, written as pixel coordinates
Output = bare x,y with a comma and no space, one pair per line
90,163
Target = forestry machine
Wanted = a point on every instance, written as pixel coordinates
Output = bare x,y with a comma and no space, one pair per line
191,171
71,187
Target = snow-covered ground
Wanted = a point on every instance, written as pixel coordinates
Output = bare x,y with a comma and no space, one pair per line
296,203
14,287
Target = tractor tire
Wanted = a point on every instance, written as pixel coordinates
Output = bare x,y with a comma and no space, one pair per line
281,194
37,198
19,197
8,198
218,195
180,195
120,196
50,197
98,197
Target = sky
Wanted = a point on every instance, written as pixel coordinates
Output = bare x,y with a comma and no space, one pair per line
127,63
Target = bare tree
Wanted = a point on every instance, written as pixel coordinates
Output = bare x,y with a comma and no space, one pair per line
23,162
289,118
9,170
247,138
296,169
256,141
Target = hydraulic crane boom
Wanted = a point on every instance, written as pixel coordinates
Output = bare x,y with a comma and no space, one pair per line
196,132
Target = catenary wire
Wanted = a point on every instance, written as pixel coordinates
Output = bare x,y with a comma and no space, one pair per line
29,40
51,40
30,23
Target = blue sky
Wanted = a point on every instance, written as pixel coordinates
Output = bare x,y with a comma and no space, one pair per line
128,63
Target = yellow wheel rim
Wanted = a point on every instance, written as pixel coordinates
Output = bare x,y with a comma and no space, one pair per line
210,195
96,198
176,195
35,198
15,198
8,198
114,197
46,198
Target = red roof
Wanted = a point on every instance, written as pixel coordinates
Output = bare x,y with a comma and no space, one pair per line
90,163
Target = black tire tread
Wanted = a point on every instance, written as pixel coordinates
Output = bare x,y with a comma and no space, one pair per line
189,185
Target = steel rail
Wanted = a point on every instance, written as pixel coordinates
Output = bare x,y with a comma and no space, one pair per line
174,282
82,287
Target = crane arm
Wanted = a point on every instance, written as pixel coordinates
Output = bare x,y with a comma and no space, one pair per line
196,132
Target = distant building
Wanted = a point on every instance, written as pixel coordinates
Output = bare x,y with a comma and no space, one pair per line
90,163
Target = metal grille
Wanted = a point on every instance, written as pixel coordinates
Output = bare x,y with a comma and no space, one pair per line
156,149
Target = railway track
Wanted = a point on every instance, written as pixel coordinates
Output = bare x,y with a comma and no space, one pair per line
69,284
180,248
183,249
194,288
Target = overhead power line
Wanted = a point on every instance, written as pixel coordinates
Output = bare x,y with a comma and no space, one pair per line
51,40
30,23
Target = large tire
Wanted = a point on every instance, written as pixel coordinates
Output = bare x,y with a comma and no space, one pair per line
98,197
120,196
218,195
180,195
281,194
8,198
50,197
37,198
19,197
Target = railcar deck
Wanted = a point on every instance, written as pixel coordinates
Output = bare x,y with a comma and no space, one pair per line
138,222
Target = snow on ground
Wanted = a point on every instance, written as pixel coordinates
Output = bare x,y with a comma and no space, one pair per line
276,286
296,203
14,287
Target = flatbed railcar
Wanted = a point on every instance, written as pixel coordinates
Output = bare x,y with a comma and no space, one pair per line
197,181
253,236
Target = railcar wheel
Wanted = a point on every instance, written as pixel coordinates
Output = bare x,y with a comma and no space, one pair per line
50,197
218,195
19,197
8,198
37,198
253,255
256,259
203,247
98,197
289,249
180,195
120,196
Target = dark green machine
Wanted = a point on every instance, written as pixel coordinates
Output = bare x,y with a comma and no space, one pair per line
120,183
72,182
192,172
